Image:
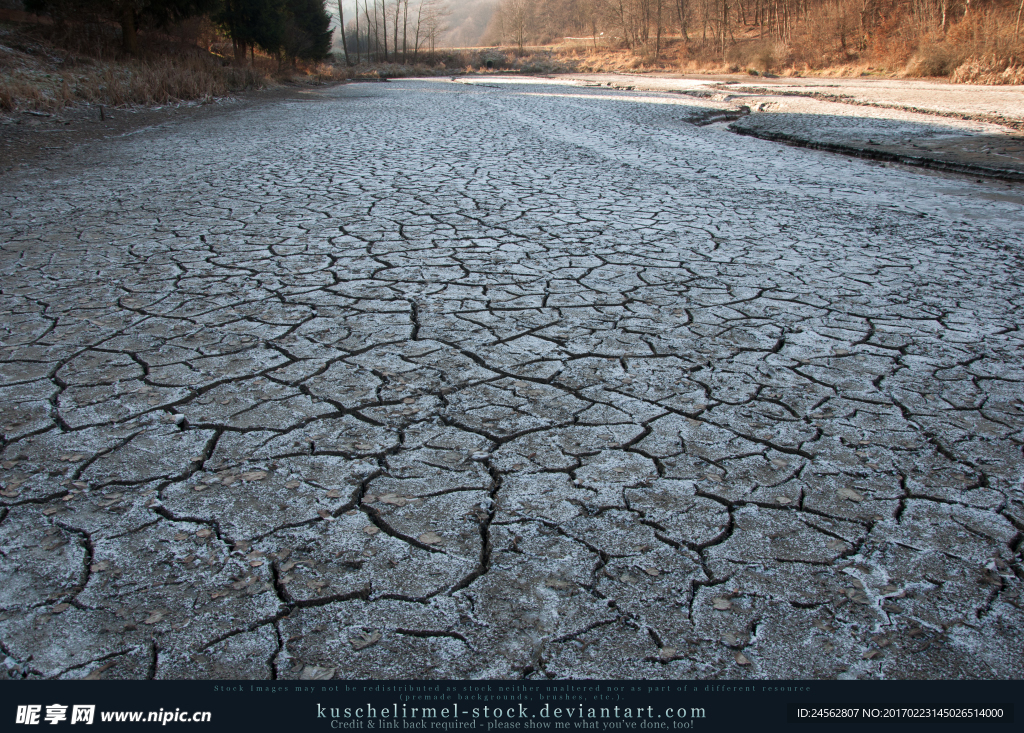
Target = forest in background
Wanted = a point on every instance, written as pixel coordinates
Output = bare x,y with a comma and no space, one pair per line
970,41
965,40
292,29
152,52
159,51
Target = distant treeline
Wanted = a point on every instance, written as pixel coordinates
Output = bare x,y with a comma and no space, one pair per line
389,30
295,29
942,33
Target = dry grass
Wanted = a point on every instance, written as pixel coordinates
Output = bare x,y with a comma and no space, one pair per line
124,83
325,72
987,71
753,56
39,72
464,61
42,71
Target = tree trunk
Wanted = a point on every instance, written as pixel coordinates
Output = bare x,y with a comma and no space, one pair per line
394,46
405,33
341,24
657,42
416,45
366,10
129,34
725,25
681,12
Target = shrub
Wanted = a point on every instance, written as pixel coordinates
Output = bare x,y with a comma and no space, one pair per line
933,59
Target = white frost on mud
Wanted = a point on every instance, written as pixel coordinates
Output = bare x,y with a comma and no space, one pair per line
427,379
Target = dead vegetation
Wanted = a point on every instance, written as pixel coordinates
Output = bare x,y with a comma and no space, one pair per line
150,82
466,61
966,41
43,68
46,69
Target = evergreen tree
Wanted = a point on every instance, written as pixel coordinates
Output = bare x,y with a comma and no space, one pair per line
130,14
253,23
307,30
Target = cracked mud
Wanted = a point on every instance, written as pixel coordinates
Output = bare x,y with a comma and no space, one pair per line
431,380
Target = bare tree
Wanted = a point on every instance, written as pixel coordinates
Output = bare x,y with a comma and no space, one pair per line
515,17
431,22
405,33
683,16
657,43
398,13
366,10
341,25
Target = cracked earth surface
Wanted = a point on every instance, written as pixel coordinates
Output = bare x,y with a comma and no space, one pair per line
430,380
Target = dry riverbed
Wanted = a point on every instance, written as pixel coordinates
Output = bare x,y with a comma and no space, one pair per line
507,379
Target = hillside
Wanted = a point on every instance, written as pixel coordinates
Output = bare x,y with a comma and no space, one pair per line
973,41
